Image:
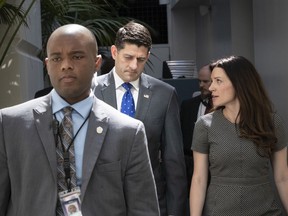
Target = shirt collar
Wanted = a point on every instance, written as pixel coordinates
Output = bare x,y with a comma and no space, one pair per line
119,81
82,107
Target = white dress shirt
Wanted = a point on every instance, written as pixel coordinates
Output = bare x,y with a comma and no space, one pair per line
120,90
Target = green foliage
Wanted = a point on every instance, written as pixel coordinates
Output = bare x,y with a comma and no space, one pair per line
100,16
10,14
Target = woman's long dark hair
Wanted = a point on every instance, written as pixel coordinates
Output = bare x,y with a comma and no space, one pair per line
256,111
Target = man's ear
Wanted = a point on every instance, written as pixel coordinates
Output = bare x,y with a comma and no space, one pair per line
114,51
46,61
46,64
148,55
98,62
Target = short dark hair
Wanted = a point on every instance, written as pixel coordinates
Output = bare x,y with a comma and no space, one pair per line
133,33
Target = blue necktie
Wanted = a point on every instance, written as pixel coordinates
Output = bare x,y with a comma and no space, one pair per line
127,105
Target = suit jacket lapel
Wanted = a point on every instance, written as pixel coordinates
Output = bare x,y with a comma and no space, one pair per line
144,98
96,132
195,108
43,121
108,90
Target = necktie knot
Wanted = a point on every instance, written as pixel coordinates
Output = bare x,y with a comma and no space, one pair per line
67,120
67,111
205,102
208,104
127,86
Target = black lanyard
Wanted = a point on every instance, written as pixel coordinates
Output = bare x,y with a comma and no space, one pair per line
66,153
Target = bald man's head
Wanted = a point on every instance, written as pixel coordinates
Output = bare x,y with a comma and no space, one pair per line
204,77
75,30
72,61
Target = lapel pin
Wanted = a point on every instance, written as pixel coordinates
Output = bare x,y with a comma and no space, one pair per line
99,130
146,96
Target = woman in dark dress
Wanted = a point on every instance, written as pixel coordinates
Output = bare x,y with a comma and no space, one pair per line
237,143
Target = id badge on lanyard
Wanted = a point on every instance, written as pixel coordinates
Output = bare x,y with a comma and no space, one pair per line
70,202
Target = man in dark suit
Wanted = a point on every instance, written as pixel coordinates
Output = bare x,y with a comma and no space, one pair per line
191,110
156,106
113,170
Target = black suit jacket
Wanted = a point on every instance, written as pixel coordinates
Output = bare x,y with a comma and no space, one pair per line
188,116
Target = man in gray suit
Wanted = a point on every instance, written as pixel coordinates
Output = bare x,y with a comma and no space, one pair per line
156,106
113,169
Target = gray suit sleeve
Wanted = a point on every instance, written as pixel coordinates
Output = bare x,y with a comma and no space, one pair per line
173,159
139,185
4,174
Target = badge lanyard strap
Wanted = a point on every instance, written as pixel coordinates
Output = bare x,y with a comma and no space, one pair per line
66,153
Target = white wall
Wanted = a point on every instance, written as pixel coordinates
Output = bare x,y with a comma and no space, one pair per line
159,53
21,74
182,34
271,49
204,36
242,41
213,32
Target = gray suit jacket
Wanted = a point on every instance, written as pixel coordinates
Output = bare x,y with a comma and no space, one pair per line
158,109
117,177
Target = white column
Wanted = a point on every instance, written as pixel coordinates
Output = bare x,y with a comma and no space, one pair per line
21,73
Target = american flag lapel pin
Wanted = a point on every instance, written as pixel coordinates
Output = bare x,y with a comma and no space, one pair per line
146,96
